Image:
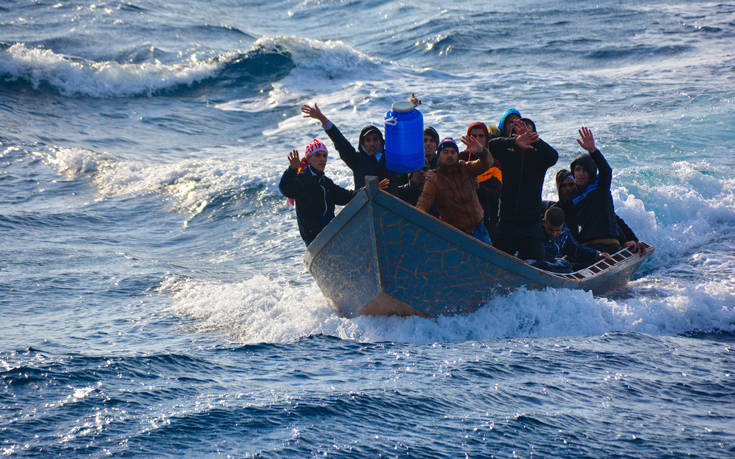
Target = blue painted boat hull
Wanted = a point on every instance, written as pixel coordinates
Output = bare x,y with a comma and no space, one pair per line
381,256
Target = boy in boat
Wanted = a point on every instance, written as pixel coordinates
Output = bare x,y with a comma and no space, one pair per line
368,159
313,193
593,203
560,243
524,165
490,182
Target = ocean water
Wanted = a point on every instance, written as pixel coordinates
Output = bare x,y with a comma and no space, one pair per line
153,295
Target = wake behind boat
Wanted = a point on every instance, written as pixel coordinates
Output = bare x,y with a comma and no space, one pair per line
381,256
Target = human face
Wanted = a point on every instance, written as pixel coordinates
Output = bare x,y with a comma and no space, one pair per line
565,189
479,134
318,161
372,143
581,176
508,125
448,156
518,127
552,232
429,147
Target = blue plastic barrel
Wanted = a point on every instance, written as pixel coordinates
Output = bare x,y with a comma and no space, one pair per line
404,138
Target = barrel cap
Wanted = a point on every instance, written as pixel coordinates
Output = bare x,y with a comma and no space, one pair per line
402,106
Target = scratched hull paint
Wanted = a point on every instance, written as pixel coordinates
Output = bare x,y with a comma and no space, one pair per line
380,256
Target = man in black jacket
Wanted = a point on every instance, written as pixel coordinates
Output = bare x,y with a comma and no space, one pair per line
368,159
315,195
521,208
593,203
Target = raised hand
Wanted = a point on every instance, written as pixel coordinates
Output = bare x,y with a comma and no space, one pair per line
314,112
586,140
414,100
293,160
526,140
473,145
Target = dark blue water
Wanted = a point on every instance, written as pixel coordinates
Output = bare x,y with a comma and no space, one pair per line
153,295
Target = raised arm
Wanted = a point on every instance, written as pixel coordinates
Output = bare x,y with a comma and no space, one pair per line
316,113
289,184
485,160
587,141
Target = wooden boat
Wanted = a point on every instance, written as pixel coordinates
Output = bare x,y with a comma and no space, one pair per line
381,256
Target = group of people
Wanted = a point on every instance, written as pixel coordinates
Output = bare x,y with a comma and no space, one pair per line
490,189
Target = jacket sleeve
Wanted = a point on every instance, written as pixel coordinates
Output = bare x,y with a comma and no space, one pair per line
574,249
342,196
500,146
478,166
625,233
546,153
428,195
345,149
289,184
604,171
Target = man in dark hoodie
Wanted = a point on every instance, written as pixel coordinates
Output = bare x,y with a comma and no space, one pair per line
524,168
593,203
368,159
490,182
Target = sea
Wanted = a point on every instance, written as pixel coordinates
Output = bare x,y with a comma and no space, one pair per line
154,300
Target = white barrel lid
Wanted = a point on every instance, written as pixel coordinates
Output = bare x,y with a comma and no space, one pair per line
402,106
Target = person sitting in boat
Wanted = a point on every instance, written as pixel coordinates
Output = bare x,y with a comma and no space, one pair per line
565,187
490,181
431,141
525,159
368,159
312,192
560,243
592,199
452,187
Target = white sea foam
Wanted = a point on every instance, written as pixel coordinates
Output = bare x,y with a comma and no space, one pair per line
261,309
189,184
101,79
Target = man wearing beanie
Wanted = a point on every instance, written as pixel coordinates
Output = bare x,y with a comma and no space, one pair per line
524,167
368,159
593,203
451,187
314,194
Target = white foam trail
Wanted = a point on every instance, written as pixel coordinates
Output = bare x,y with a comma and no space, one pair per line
268,310
102,79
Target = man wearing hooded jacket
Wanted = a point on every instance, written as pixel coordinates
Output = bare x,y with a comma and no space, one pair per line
593,203
524,169
368,159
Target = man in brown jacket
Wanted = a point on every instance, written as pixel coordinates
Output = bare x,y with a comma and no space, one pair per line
452,186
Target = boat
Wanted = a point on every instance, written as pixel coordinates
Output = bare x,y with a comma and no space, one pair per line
382,256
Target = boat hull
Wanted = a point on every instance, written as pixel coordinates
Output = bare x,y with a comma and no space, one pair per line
381,256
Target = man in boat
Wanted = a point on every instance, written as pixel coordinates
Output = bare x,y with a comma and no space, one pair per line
431,141
525,159
592,199
560,243
312,192
565,187
368,159
490,182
